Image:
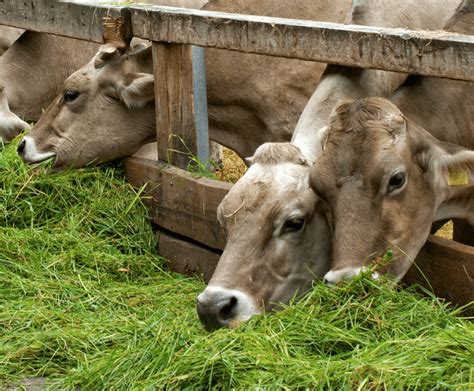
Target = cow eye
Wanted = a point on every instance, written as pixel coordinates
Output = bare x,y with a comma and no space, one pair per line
70,95
396,181
294,224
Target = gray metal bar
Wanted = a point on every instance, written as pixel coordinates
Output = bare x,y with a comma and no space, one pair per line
200,103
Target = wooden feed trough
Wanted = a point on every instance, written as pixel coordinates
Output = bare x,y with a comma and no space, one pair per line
184,207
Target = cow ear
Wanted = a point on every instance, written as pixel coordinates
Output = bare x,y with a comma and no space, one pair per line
137,90
104,54
446,165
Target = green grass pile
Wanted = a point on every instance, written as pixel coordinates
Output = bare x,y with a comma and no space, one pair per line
85,302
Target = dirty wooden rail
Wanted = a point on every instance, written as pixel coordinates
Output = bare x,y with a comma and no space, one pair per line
418,52
82,21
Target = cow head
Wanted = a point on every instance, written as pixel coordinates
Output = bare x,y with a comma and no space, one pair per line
278,240
386,180
106,111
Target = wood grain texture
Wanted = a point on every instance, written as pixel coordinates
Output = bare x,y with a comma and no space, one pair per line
174,102
447,267
74,20
179,202
418,52
187,258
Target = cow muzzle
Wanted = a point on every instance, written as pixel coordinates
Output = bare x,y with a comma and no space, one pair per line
29,152
220,307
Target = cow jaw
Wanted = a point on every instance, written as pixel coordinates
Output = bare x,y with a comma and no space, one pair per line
278,241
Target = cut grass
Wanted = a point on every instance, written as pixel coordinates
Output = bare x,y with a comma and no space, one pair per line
84,301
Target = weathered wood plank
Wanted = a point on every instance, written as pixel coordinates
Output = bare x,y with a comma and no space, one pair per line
179,202
418,52
187,258
69,19
448,267
175,103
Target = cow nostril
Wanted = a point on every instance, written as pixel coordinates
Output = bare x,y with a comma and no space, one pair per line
226,311
216,311
21,147
328,282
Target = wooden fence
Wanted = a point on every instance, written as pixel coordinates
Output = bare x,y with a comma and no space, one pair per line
183,207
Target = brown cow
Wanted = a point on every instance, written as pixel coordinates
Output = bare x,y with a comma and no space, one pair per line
269,256
386,179
446,109
252,98
32,71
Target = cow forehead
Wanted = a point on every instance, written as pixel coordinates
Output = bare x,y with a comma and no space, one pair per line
372,150
81,77
264,186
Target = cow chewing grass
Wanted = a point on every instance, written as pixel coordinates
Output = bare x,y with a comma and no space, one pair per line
85,302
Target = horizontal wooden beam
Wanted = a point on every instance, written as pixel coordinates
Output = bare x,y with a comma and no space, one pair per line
70,19
180,202
186,257
419,52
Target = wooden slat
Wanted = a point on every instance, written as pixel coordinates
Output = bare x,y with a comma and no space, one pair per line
418,52
81,21
187,258
448,267
179,202
174,99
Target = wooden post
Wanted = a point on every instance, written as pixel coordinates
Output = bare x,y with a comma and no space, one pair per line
180,111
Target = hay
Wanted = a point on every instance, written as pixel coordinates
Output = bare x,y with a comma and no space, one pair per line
233,167
84,302
446,231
